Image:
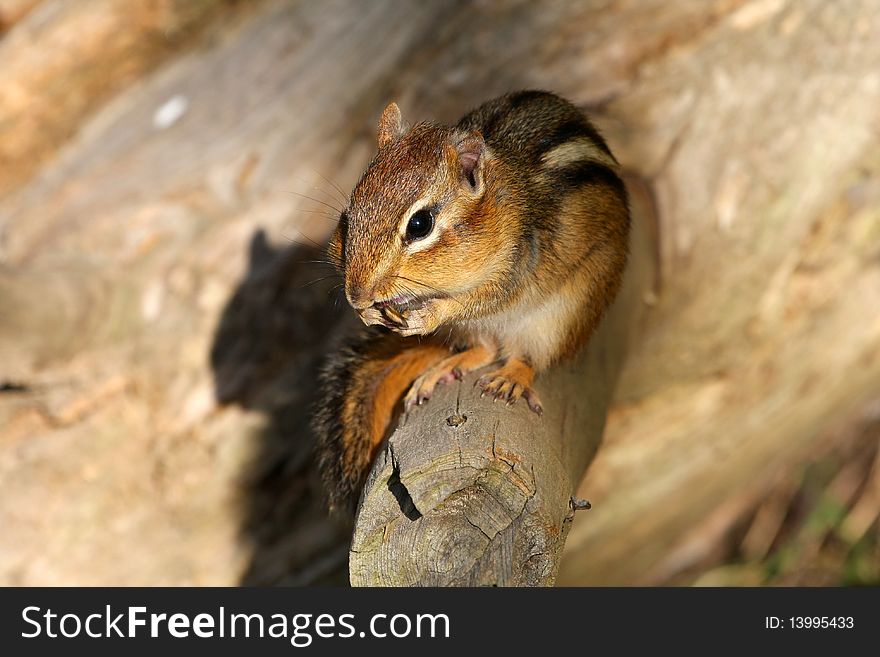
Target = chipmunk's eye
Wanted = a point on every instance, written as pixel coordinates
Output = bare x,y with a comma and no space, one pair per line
419,225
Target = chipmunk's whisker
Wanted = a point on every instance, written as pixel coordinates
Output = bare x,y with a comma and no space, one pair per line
315,200
311,243
440,293
320,279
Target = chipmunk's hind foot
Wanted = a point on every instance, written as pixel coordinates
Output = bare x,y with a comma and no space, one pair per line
510,382
446,371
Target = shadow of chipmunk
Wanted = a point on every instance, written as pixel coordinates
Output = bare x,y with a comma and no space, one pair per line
272,337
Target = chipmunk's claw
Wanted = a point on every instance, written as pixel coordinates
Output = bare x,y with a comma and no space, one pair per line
418,394
534,403
504,388
423,387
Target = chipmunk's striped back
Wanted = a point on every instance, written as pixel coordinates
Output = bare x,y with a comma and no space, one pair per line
535,129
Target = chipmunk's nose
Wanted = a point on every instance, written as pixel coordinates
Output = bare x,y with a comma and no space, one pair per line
360,296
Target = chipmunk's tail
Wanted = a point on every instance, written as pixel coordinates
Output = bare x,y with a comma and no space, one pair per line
360,390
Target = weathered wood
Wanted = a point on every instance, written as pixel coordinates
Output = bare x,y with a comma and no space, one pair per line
469,492
87,50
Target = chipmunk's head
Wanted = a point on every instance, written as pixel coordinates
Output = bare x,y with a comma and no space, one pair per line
413,241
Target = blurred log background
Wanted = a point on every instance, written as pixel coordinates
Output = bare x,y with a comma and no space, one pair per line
166,167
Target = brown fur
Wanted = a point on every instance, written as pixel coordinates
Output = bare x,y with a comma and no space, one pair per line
361,389
528,248
379,385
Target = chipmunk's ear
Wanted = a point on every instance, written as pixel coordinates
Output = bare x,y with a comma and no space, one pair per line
391,125
471,148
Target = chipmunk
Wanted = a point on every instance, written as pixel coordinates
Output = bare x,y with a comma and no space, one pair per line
500,240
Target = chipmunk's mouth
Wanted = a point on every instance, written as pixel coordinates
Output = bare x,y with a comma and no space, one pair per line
394,311
402,302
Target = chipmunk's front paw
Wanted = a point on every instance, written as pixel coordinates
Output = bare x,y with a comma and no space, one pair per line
509,383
